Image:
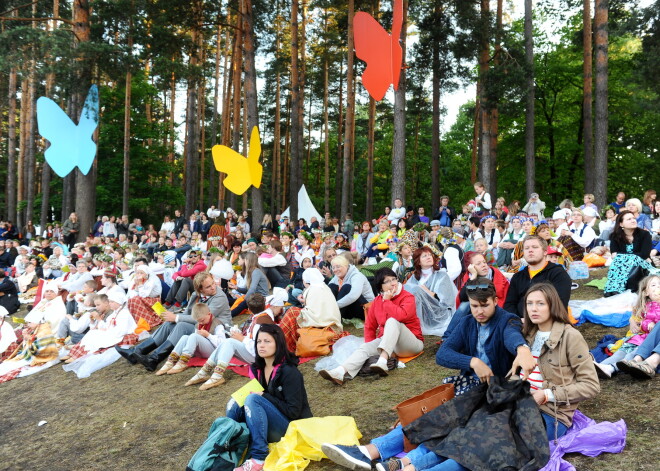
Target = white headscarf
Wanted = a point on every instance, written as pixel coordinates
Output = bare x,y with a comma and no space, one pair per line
313,276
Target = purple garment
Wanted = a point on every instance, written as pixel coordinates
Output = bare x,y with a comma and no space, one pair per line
587,437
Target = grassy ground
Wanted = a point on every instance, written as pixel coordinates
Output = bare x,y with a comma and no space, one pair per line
123,418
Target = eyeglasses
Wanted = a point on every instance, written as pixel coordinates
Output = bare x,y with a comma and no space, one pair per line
472,288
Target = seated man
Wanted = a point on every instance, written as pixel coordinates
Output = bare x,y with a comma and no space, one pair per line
538,269
183,279
158,347
482,345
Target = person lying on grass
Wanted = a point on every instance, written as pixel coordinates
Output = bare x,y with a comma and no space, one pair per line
482,345
392,326
267,413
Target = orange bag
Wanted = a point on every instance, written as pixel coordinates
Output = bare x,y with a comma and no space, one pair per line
592,260
314,341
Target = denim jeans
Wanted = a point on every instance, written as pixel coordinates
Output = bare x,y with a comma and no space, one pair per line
228,349
265,422
422,458
650,345
550,427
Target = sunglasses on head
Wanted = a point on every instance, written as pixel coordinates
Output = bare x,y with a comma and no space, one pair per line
477,287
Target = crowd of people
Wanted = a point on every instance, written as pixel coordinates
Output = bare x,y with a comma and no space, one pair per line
489,280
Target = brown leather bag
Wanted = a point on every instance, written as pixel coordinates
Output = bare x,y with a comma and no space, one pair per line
314,341
413,408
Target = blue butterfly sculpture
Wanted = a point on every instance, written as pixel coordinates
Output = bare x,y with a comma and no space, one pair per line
71,145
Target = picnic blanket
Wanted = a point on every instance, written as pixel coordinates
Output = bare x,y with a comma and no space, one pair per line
587,437
614,311
237,365
598,283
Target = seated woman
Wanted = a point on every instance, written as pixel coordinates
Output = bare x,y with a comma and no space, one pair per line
378,242
240,344
320,309
209,333
645,316
8,337
144,292
434,292
267,413
578,238
564,374
255,281
50,309
630,247
110,323
476,267
391,327
517,259
350,288
634,205
29,279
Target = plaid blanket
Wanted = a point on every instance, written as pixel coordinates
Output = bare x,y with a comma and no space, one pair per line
78,351
140,308
39,346
10,375
12,346
289,325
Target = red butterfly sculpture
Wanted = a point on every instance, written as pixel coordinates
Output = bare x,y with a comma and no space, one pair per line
381,51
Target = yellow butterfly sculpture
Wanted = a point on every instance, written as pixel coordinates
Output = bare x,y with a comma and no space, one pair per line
241,172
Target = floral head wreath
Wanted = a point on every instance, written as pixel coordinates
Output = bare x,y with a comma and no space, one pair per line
490,216
306,235
520,219
285,233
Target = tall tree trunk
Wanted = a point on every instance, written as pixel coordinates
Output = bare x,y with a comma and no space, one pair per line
485,137
22,150
296,118
435,132
192,115
201,135
371,138
530,157
214,120
276,180
172,133
587,98
11,146
226,108
601,124
326,119
44,216
31,128
347,174
302,77
399,144
85,184
237,64
250,84
340,127
127,124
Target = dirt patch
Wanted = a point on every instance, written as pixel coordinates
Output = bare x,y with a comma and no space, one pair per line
123,418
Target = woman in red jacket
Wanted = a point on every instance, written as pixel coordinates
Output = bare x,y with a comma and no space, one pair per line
391,326
476,267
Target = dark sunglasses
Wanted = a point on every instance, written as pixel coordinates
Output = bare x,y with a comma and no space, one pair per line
477,288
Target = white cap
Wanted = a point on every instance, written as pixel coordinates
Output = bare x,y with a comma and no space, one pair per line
117,297
559,214
278,298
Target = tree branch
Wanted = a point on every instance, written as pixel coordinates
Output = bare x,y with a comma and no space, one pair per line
18,8
11,18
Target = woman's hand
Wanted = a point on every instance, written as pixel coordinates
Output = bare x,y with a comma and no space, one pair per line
237,336
203,333
472,271
389,294
481,369
539,396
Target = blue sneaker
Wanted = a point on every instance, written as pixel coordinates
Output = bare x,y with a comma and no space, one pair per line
349,457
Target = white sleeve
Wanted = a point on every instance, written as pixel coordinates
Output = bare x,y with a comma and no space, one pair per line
248,341
587,238
453,263
485,202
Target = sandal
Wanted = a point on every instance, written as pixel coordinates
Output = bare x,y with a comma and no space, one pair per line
639,370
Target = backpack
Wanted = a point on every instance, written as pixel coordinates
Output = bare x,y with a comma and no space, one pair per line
224,449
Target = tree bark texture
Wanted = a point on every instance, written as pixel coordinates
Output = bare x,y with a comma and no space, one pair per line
601,122
399,144
530,157
347,174
587,98
296,119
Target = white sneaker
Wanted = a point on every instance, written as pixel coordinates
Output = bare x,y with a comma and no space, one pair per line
380,367
604,371
336,375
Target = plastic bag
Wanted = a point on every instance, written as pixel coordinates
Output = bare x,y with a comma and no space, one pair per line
303,439
613,311
578,271
588,438
341,350
593,260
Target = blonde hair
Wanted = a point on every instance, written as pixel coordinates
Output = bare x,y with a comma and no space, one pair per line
636,202
643,298
590,197
199,310
341,261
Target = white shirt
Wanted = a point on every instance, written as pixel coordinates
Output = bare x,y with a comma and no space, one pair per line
582,234
396,214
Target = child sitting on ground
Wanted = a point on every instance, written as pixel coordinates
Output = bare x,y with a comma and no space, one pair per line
76,325
209,333
645,316
241,345
481,246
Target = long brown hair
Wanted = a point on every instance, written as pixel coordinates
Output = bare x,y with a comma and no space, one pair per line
251,263
417,264
558,312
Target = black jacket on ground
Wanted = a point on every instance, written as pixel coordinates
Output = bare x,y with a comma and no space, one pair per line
496,426
286,391
520,283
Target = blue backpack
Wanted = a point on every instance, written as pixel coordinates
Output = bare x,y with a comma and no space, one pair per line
224,449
